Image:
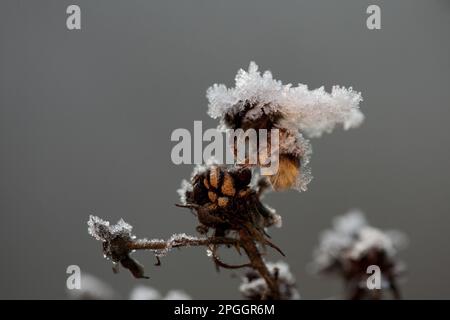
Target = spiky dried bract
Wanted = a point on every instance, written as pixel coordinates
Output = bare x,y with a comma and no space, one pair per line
260,102
253,287
351,246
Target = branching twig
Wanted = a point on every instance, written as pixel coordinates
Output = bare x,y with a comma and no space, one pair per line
161,245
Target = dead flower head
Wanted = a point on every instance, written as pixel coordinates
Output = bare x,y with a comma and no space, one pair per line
225,200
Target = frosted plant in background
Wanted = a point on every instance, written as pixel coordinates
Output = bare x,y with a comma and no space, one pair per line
351,246
253,287
260,102
177,295
144,293
92,288
149,293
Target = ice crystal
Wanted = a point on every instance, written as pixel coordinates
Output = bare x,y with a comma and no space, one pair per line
313,112
115,240
102,230
274,218
183,190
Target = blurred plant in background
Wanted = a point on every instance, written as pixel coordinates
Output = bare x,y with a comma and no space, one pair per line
92,288
253,287
351,247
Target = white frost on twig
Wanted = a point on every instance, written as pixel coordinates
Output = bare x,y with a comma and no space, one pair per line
102,230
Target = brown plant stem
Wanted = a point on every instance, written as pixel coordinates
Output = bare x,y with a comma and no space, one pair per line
245,241
184,242
258,264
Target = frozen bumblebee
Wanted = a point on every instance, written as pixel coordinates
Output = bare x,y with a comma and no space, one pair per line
292,149
224,200
258,101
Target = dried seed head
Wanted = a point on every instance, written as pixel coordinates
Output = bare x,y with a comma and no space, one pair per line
214,176
223,200
212,196
228,185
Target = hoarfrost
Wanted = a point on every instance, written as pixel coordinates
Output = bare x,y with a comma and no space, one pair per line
312,112
185,187
102,230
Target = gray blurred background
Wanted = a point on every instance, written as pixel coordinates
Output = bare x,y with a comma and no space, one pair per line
86,118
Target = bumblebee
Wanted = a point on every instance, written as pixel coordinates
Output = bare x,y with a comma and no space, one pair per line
290,157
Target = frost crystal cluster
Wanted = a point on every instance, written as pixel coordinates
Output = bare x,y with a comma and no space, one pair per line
260,102
102,230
